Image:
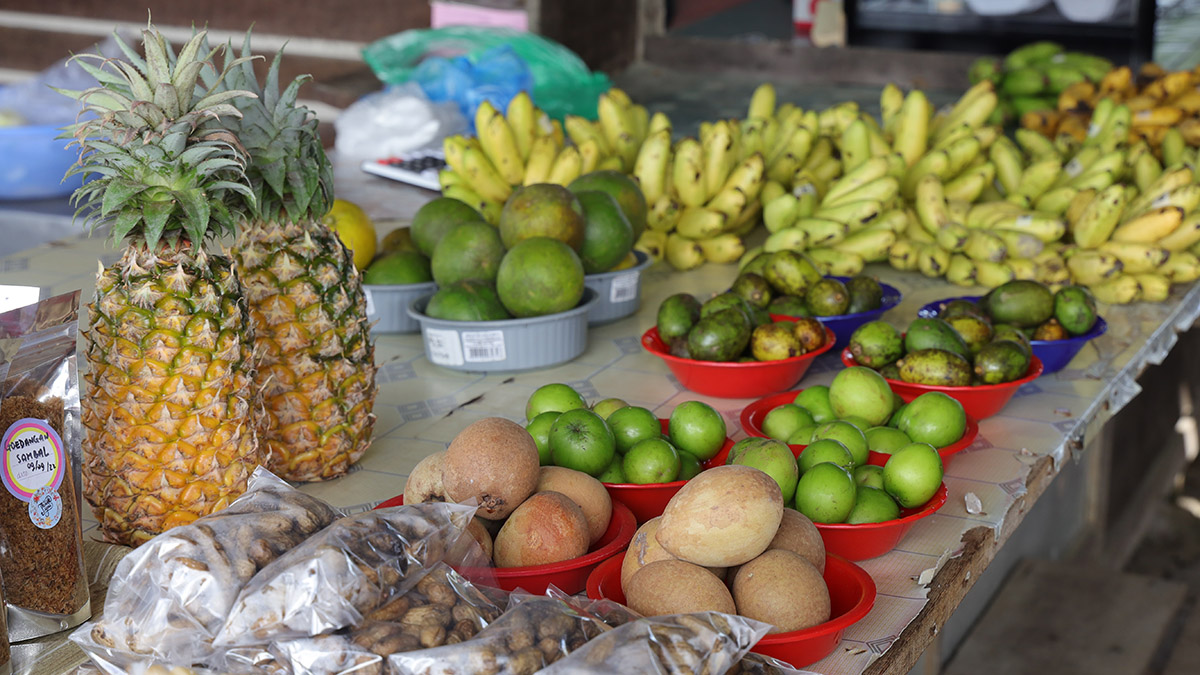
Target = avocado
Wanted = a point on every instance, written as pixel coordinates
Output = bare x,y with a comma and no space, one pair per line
976,331
827,297
960,307
1004,331
676,316
788,305
865,294
759,316
1075,309
758,265
679,347
1022,302
726,300
934,333
936,367
1050,330
753,288
876,343
810,333
774,342
1001,361
720,336
790,272
890,371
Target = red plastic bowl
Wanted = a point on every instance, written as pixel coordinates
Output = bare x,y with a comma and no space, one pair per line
569,575
730,379
648,501
851,594
979,401
753,415
870,540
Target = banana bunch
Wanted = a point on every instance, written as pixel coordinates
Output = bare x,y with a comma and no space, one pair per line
520,146
1032,77
618,135
1164,110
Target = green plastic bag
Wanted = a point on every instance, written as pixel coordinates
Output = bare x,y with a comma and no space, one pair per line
563,84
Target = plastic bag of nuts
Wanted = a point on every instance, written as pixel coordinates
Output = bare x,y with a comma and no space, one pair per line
339,576
703,643
442,609
169,597
757,664
534,632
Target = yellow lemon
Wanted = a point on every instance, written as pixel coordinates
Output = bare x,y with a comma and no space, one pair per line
626,263
354,227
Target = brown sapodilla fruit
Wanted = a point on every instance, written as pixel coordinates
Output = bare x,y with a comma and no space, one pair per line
584,490
676,587
783,589
546,528
725,516
799,535
493,460
424,484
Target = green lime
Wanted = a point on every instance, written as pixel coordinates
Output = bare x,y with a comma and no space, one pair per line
869,475
803,435
615,473
815,399
632,424
697,427
539,428
782,421
913,474
581,440
872,505
886,439
849,435
825,493
401,267
651,461
825,450
689,466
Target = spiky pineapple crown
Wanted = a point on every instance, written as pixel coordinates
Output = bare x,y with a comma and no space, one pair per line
288,170
163,166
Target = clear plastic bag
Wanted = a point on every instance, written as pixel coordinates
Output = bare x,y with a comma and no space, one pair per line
562,82
343,573
610,612
533,632
170,597
679,644
392,122
443,608
757,664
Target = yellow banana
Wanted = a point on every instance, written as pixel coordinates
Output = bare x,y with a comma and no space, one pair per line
1037,178
1096,225
483,177
619,97
782,212
787,239
992,274
641,122
891,99
752,136
1136,258
1150,226
1046,228
719,156
864,174
723,248
932,260
463,193
1036,145
589,156
1090,267
617,126
658,122
650,167
687,173
973,107
541,159
968,185
697,222
784,167
949,136
912,127
1171,179
1119,290
567,166
580,129
835,261
960,153
984,245
499,143
770,190
663,214
682,253
1007,160
1186,198
731,202
1019,244
1154,287
1022,268
957,209
453,148
523,120
952,237
902,255
820,152
1172,146
448,177
834,119
1078,205
914,230
1146,170
1183,237
987,214
931,204
1057,200
871,243
611,163
749,256
961,270
822,232
1182,267
747,220
1051,269
747,176
762,101
853,214
936,163
895,220
855,145
653,243
1111,164
828,170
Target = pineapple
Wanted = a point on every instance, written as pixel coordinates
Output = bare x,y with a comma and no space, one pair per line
316,362
170,425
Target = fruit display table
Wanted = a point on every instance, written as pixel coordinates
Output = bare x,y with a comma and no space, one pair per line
1035,443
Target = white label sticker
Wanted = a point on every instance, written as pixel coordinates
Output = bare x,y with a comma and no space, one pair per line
483,346
1073,167
34,457
1024,221
804,189
442,347
624,287
370,301
1162,200
45,509
1093,129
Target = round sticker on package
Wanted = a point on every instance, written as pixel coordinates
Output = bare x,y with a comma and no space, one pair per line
45,509
34,457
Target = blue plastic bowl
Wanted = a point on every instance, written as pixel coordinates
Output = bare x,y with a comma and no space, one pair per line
843,325
35,162
1055,354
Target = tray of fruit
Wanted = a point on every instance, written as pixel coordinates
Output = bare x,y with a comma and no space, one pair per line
1057,323
727,543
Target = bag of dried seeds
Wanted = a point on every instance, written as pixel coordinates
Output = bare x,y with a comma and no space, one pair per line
41,555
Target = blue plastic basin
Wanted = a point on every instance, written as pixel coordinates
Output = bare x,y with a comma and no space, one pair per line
34,163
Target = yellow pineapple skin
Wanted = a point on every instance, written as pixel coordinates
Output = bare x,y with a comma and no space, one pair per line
171,429
315,359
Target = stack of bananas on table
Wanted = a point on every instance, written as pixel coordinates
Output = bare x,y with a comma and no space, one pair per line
523,146
1165,109
1033,76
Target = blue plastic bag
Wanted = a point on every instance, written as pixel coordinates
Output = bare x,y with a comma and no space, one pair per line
497,75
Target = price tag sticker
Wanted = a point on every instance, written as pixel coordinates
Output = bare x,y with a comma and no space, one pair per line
1093,129
443,347
45,509
483,346
34,457
1160,201
370,301
1073,167
1024,221
804,189
624,287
